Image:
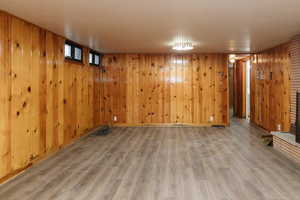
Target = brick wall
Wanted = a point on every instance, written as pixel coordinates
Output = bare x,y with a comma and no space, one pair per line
290,150
294,50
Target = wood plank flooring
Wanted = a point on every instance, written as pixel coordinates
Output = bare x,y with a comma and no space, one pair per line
183,163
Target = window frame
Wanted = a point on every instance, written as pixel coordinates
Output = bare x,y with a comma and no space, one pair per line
73,47
94,54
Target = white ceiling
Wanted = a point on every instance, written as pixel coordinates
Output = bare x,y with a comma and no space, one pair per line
150,26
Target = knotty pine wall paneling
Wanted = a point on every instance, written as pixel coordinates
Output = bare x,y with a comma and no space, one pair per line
45,101
5,94
143,89
270,89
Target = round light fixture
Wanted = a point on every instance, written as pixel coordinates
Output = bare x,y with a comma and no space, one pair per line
183,46
232,58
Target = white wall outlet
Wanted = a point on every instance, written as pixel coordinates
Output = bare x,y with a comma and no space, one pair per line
115,118
211,118
279,127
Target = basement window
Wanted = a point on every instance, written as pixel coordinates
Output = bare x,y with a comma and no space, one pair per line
73,51
94,58
90,58
68,51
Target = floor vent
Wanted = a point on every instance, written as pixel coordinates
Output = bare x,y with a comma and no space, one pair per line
267,140
102,131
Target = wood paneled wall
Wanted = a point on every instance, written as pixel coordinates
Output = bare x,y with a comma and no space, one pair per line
270,88
143,89
45,102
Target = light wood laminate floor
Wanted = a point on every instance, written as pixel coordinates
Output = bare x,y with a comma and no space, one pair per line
162,164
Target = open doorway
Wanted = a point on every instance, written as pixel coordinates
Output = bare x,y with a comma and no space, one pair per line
240,75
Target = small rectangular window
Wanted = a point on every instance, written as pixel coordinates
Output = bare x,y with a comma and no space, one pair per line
90,58
94,58
97,59
73,51
68,51
78,53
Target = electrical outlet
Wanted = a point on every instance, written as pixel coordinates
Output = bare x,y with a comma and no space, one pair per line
279,127
211,119
115,118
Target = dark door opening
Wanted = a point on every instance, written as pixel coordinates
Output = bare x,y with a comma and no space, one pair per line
240,75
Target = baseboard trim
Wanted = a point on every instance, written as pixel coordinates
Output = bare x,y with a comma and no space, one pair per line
168,125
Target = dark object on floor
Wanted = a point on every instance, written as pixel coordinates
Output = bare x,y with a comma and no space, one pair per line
218,126
267,140
102,131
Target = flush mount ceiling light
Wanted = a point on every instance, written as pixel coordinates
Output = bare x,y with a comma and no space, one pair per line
232,58
183,45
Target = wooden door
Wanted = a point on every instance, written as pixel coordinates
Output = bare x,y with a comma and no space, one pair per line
240,89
